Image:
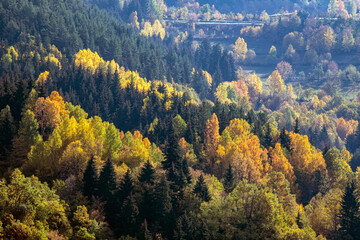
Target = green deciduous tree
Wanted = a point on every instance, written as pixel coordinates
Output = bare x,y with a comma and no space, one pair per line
179,126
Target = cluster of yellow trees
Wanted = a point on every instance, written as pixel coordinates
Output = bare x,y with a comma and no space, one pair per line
69,139
50,55
92,62
156,30
239,147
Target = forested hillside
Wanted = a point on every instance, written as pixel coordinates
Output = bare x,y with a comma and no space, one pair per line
71,26
116,125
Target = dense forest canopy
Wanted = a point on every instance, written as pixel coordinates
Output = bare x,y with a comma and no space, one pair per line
159,119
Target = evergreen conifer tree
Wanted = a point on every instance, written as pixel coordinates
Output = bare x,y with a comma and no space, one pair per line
349,215
229,180
297,126
7,129
285,139
184,228
129,216
177,170
324,136
146,205
172,152
126,187
145,234
223,120
186,171
147,173
162,201
106,190
90,179
251,116
202,231
267,137
299,221
201,190
107,181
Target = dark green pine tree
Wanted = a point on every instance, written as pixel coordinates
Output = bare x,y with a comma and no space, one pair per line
285,139
349,215
314,137
257,129
172,152
267,142
324,137
297,126
126,187
90,179
229,180
190,136
202,230
146,206
7,129
223,120
107,181
147,173
326,149
251,117
129,217
144,234
106,190
162,202
177,170
201,190
186,171
184,228
299,221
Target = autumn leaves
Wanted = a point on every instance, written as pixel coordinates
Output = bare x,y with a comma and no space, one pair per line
239,147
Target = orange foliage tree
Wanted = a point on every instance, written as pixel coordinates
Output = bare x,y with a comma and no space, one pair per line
211,136
279,163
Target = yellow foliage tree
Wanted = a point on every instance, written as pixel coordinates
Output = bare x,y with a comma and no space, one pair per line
88,60
279,163
276,83
211,136
323,212
55,97
47,113
147,30
254,84
207,77
158,30
243,151
240,49
42,78
134,20
304,156
53,60
240,88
